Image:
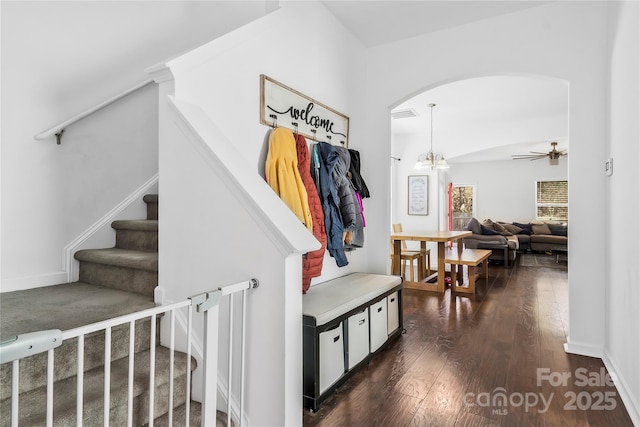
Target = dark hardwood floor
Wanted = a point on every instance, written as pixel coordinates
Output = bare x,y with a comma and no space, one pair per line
461,354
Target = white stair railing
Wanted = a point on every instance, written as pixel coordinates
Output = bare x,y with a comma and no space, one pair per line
25,345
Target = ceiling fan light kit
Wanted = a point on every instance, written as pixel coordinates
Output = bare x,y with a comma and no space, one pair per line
553,155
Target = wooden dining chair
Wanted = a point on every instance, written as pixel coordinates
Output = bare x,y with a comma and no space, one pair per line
406,255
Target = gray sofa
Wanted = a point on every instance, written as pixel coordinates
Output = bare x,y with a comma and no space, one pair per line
510,238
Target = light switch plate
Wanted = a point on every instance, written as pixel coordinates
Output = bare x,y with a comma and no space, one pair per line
608,166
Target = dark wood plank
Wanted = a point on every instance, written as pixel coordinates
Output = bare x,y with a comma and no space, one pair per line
461,349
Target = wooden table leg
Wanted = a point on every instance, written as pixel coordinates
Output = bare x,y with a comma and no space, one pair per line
395,264
423,260
454,275
441,256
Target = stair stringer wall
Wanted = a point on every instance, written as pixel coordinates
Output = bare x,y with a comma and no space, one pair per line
100,234
221,224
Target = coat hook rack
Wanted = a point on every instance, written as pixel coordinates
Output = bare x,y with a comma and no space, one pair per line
274,122
313,131
295,127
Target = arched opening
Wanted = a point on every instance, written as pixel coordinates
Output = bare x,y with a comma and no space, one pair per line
477,125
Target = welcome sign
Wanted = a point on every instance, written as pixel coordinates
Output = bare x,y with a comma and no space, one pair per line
285,107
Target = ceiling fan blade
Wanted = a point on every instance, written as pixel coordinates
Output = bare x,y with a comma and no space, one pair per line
528,156
537,152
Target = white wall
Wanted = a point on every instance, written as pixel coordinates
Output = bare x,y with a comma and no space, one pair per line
230,94
505,190
543,41
59,58
623,209
223,242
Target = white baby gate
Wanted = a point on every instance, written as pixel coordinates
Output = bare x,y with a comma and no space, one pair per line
24,345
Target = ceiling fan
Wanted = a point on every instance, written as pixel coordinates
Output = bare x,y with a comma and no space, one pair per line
553,155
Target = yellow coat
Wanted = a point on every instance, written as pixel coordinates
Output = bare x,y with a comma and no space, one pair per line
281,170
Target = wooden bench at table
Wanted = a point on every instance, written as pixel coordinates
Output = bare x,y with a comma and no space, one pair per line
471,258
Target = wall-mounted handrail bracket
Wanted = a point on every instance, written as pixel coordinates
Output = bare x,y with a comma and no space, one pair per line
59,136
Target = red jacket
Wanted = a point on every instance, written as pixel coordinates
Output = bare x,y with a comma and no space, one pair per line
312,261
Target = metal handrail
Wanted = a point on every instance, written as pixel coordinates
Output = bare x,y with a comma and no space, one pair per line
58,129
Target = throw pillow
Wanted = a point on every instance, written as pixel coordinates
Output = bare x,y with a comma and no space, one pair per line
487,230
540,229
474,226
558,229
501,229
512,228
526,228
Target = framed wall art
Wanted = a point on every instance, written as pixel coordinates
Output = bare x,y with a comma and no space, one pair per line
418,195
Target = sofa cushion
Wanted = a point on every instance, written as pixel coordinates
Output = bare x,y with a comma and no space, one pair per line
502,229
526,228
488,230
513,229
549,238
474,226
472,241
540,229
558,229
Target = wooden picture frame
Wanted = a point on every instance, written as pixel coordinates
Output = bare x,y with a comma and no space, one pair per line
418,195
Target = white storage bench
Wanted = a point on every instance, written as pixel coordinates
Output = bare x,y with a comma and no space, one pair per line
345,321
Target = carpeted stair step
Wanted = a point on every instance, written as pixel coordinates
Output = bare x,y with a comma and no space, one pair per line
33,410
140,235
128,270
152,205
68,306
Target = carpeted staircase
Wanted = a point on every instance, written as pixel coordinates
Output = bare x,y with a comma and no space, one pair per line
112,282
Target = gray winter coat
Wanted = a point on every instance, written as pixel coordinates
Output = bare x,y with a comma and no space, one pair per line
348,205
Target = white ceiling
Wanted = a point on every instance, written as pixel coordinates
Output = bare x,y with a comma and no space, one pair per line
478,119
487,118
379,22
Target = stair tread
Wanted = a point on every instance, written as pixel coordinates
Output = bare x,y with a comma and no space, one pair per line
65,396
120,257
136,224
64,306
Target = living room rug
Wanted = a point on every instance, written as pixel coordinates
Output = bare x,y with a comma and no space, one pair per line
543,260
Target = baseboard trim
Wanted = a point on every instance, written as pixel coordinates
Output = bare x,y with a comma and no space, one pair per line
29,282
69,265
632,405
583,349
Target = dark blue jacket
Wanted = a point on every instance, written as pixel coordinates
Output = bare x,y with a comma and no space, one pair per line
328,157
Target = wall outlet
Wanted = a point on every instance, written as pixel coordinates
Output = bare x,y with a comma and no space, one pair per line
608,167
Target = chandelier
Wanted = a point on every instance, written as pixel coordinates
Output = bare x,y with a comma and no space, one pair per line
431,160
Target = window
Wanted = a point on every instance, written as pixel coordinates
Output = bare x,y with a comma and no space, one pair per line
462,205
552,200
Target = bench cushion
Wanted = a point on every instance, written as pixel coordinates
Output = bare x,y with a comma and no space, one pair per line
329,300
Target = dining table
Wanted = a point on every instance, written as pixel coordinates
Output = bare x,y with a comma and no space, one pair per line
424,236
